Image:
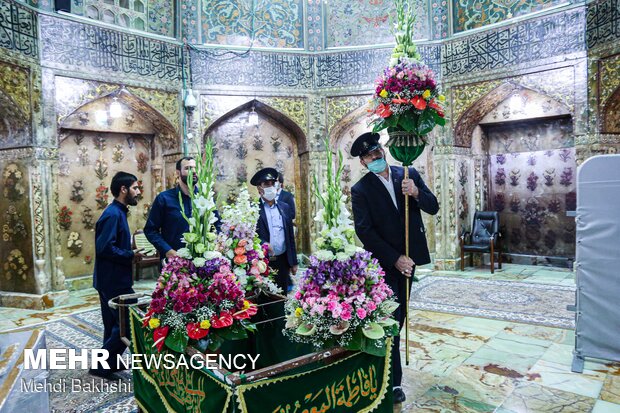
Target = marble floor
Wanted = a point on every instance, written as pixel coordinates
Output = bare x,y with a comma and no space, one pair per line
469,364
459,363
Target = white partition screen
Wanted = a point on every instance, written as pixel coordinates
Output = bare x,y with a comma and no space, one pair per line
597,329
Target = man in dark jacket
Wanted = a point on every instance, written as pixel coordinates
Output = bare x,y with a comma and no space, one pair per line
275,227
165,225
113,264
284,196
378,201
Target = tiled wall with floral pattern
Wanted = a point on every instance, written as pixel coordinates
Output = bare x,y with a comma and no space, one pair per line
16,259
471,14
87,162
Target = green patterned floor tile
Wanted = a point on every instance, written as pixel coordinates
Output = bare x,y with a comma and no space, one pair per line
509,364
611,387
481,326
559,376
549,334
606,407
474,383
445,399
533,398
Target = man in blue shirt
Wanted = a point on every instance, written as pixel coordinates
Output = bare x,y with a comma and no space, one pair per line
275,227
165,225
113,264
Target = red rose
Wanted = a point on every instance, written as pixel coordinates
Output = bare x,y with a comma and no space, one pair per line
418,102
224,320
159,335
195,332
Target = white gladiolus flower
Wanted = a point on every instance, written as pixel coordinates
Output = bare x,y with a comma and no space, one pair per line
184,253
202,204
342,256
199,262
325,255
209,255
350,249
239,272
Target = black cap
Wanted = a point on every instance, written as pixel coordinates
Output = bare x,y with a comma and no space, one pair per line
364,144
265,174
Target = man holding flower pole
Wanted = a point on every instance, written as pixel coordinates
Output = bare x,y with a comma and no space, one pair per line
378,202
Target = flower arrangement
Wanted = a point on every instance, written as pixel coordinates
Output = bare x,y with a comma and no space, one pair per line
406,95
15,265
101,169
101,196
13,188
198,296
239,242
118,154
143,160
74,244
64,217
203,304
342,298
77,191
88,219
14,228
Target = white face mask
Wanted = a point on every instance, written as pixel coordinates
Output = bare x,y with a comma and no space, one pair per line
270,193
277,186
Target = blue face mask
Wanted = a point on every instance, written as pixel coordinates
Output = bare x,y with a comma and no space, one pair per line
377,166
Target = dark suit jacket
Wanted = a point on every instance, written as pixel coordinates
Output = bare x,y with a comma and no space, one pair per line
287,198
113,253
381,227
262,229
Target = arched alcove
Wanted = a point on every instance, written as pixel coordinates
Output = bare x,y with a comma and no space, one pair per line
271,139
115,132
611,114
522,145
14,123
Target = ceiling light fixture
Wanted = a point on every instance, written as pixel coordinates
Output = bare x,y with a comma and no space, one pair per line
253,117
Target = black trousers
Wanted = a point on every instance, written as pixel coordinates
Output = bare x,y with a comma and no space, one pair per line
280,264
112,329
398,284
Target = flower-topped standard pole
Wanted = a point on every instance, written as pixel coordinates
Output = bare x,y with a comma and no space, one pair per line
342,298
408,103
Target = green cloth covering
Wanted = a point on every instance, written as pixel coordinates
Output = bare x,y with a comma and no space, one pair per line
182,390
358,383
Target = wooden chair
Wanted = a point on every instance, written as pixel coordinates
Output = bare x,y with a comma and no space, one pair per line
151,256
484,238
